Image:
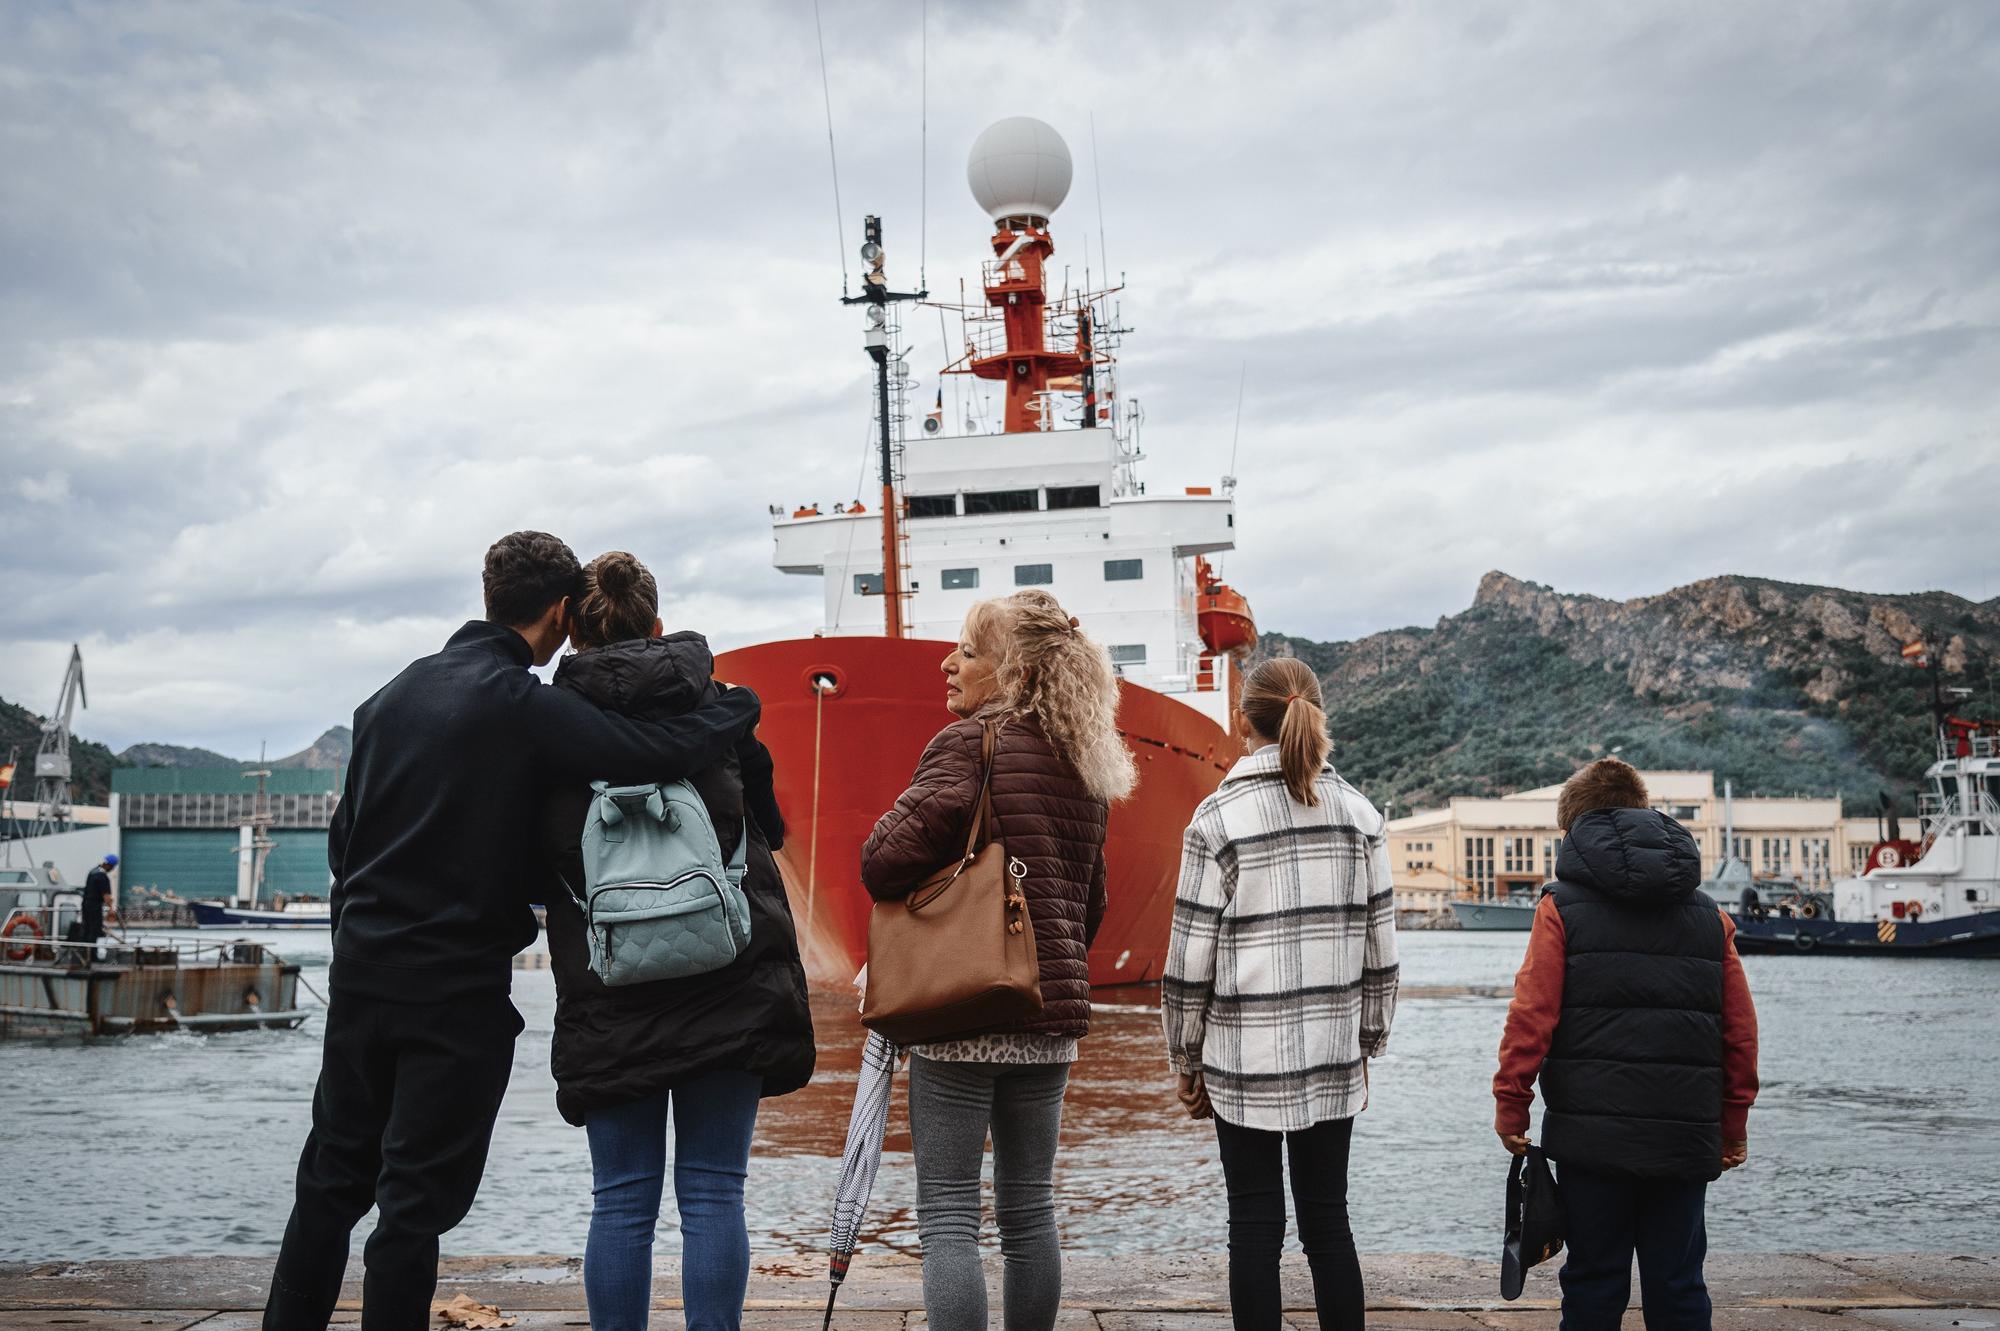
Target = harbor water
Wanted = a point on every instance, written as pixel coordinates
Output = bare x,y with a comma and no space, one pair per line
1876,1130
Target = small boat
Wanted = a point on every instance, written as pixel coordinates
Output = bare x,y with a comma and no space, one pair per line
53,984
292,915
1513,913
1941,901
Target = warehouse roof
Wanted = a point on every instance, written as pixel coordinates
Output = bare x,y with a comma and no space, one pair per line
224,781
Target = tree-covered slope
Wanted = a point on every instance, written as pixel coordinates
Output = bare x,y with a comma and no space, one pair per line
1779,687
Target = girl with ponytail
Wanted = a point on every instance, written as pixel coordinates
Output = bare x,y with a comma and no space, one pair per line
1280,985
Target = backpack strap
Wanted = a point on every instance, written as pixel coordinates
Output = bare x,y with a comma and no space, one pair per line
739,859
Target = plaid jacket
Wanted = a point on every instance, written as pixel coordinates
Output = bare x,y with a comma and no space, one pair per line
1281,976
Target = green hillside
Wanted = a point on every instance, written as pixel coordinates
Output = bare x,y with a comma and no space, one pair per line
1782,689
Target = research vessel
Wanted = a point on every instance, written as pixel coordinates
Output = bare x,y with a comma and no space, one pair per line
1054,498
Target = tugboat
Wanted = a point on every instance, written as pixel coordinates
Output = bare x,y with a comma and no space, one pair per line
1941,900
1053,498
53,985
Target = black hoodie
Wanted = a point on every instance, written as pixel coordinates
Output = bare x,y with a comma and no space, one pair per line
433,846
1634,1076
616,1045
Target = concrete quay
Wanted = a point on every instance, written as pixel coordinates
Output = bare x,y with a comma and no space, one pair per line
1416,1292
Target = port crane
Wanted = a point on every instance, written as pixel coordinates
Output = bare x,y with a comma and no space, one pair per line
52,765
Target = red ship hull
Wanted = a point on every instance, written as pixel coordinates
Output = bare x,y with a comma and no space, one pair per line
842,757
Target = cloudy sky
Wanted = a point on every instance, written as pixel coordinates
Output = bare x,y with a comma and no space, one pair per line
301,305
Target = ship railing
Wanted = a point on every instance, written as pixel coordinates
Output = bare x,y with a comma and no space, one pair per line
1192,673
1941,812
121,949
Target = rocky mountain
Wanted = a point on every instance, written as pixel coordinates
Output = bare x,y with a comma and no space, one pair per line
329,750
1784,688
172,755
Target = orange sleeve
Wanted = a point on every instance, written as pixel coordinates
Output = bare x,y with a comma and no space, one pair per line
1531,1020
1739,1041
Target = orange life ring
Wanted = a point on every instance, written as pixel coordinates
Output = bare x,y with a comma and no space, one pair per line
21,924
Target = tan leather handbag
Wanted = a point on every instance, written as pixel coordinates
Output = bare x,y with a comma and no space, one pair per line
957,955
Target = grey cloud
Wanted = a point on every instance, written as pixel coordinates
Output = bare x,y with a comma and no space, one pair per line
300,306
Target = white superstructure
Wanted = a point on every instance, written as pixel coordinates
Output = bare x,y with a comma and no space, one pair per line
987,514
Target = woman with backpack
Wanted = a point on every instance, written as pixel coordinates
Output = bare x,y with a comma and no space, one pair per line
1024,670
1280,985
702,1049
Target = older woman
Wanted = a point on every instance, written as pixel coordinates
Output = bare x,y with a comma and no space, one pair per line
1024,668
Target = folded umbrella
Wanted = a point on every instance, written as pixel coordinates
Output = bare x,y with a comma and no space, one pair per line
860,1160
1537,1223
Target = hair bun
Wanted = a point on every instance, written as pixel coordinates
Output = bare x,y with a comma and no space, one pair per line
617,573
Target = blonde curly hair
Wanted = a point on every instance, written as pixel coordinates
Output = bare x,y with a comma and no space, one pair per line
1051,668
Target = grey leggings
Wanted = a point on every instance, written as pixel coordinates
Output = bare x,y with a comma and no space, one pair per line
951,1107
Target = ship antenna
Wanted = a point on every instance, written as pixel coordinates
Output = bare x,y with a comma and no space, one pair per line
1236,435
1097,180
923,154
826,96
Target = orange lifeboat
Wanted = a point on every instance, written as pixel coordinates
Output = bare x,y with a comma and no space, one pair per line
1227,626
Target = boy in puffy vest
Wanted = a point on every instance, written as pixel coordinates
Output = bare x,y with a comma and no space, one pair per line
1632,1011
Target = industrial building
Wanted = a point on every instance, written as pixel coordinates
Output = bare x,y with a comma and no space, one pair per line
189,831
1482,847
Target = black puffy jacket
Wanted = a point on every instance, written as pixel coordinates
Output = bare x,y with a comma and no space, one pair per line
1633,1080
616,1045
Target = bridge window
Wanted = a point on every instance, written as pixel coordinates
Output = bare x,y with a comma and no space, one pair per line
999,501
1074,496
1124,570
1131,653
958,579
1034,575
933,506
868,584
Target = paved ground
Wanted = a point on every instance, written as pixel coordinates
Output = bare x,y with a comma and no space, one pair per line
1420,1292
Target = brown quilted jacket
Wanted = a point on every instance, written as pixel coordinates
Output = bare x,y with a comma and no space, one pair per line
1046,817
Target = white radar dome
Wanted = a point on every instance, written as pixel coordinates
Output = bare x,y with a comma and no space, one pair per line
1019,167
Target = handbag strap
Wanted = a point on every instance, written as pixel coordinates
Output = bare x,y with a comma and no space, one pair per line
977,835
982,818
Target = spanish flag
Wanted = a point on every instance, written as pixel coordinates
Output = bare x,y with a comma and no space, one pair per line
1912,650
6,775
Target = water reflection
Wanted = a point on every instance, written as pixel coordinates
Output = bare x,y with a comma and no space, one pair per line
186,1143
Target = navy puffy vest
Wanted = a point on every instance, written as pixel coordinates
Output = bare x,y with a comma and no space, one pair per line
1633,1080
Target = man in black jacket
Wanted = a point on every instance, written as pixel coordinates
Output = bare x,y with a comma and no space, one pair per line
435,856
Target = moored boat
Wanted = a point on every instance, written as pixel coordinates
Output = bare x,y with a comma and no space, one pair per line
292,915
51,984
1052,499
1937,897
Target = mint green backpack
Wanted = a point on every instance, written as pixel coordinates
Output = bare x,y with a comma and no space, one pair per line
659,902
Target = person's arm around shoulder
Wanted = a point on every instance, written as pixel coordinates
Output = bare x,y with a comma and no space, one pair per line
1739,1052
927,826
581,743
1201,896
1531,1026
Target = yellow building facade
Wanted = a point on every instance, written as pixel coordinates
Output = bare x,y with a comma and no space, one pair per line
1483,847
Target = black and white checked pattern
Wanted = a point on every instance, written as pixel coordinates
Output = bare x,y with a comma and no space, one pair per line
1281,975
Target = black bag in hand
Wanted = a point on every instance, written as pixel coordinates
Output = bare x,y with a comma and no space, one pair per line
1536,1221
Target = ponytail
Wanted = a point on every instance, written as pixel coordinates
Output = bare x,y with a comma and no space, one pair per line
1281,700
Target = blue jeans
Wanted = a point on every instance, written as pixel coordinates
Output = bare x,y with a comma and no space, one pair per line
1610,1218
714,1117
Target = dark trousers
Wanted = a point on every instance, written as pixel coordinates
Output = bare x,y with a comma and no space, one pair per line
1610,1218
402,1117
93,921
1253,1171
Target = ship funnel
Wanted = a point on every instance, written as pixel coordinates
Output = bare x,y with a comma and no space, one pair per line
1019,168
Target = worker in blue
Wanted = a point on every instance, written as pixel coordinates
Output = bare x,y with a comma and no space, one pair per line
97,892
